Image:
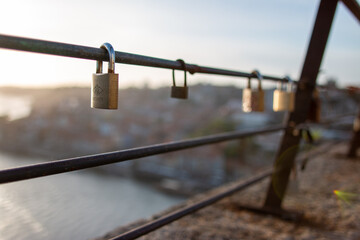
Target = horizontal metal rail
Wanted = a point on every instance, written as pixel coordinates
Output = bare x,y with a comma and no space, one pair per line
84,52
76,51
337,119
164,220
327,121
73,164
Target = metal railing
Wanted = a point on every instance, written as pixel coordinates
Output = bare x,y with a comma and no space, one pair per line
162,221
177,214
76,51
291,138
98,54
73,164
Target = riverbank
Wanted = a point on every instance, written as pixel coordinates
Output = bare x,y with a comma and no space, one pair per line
326,215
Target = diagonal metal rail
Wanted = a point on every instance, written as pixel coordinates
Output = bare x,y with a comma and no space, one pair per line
177,214
353,7
171,217
73,164
284,158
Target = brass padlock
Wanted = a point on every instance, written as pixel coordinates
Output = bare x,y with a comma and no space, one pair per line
284,100
179,92
104,86
315,108
253,100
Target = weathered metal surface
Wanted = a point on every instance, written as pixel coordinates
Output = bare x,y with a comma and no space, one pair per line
289,146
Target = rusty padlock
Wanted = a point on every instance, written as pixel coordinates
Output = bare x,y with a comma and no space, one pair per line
284,100
253,99
178,91
104,86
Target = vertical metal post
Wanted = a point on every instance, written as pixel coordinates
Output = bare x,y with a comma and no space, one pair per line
289,146
355,140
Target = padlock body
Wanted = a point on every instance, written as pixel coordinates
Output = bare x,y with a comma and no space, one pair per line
104,90
283,101
253,100
280,100
179,92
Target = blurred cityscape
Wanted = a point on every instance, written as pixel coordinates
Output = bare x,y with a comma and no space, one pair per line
59,123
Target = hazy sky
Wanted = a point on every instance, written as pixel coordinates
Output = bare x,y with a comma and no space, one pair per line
271,36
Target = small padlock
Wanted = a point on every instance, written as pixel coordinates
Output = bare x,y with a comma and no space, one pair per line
104,86
315,108
179,92
284,100
253,100
280,98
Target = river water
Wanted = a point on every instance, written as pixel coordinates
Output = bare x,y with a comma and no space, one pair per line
77,205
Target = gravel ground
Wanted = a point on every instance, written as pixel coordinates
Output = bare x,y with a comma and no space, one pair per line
326,216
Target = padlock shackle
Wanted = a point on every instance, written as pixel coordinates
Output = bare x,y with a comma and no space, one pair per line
290,83
258,76
249,83
280,86
111,66
182,62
